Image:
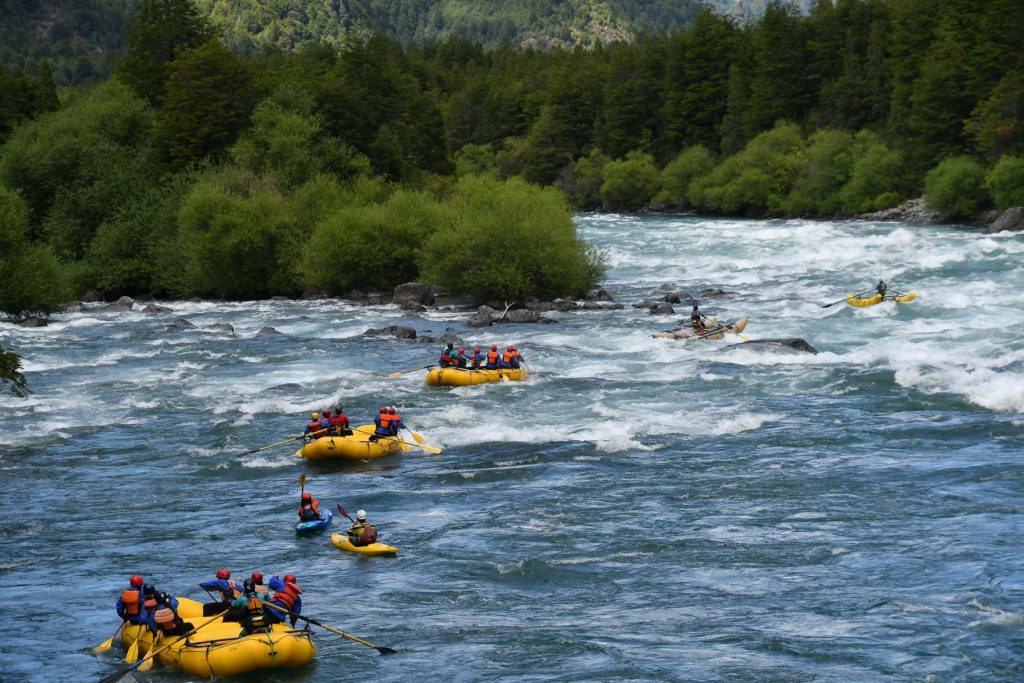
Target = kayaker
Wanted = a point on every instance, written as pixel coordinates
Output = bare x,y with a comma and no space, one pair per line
129,604
881,288
383,424
339,423
312,426
696,319
309,508
448,356
166,617
461,359
287,595
476,359
362,532
395,421
492,358
254,618
227,588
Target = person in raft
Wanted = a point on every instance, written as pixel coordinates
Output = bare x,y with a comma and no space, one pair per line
383,423
254,618
339,423
166,617
287,595
396,423
461,359
309,508
476,359
696,319
492,358
362,532
881,288
227,588
129,604
261,590
312,430
448,356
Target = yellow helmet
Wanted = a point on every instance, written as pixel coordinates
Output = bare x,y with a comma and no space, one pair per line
315,416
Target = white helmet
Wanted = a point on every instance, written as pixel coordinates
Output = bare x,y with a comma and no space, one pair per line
361,515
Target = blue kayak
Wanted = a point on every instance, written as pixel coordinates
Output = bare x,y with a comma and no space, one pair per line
315,525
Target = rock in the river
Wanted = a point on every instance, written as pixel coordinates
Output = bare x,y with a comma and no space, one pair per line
646,303
662,309
449,336
413,293
413,306
266,331
1011,220
125,303
677,297
34,322
91,296
522,315
155,308
397,331
599,295
790,343
601,306
220,327
483,317
74,307
181,324
715,292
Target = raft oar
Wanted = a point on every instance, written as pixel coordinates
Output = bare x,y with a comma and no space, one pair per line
281,443
844,299
133,649
379,648
431,449
152,654
109,642
405,372
147,661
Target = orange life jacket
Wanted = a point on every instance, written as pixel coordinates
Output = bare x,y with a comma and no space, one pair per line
164,618
314,426
130,598
235,590
492,357
257,618
385,421
507,357
149,603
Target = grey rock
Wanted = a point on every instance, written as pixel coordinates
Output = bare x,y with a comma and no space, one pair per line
599,295
413,306
715,292
1010,220
662,309
181,324
34,322
565,305
397,331
220,327
914,211
74,307
791,343
155,308
483,317
601,306
522,315
646,303
449,337
125,303
267,331
91,296
413,293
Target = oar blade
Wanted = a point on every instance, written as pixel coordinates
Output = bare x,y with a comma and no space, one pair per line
147,662
133,650
394,375
416,437
104,646
386,650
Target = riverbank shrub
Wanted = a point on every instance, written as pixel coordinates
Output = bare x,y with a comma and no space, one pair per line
11,380
677,176
955,188
1005,182
31,279
584,188
629,183
876,177
509,240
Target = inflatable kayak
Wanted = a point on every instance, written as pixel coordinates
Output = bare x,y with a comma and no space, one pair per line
216,650
315,525
341,542
357,446
864,302
461,377
689,333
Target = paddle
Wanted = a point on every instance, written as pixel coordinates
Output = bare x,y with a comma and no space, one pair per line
342,511
147,661
152,655
431,449
416,437
281,443
405,372
109,642
843,300
302,484
133,649
378,648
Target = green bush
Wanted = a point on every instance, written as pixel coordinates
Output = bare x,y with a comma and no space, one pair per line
675,179
1005,182
31,279
825,167
629,183
875,179
509,240
475,160
587,178
955,188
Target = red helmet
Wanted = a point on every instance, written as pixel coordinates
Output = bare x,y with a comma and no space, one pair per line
135,581
327,413
257,577
383,411
223,574
391,411
462,350
290,578
476,350
494,347
306,495
508,348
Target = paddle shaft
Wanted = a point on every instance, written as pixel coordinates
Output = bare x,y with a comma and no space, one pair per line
843,300
378,648
405,372
151,654
106,644
281,443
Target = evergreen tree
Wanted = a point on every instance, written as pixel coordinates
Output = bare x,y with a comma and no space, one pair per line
779,88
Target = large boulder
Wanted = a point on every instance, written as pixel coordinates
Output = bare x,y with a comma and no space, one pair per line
267,331
154,308
34,322
1011,220
599,295
677,297
414,293
180,324
397,331
522,315
662,309
795,344
125,303
220,327
91,296
483,317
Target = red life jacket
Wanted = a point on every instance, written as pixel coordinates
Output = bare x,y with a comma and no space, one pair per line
314,426
369,533
287,597
395,419
314,506
339,421
492,357
446,357
130,598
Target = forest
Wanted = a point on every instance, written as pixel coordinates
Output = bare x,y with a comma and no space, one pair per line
196,171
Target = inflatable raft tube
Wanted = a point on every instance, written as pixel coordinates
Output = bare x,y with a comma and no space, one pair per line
688,332
864,302
341,542
461,377
357,446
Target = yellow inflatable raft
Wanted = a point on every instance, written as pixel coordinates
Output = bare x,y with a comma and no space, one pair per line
689,333
357,446
461,377
216,649
864,302
341,542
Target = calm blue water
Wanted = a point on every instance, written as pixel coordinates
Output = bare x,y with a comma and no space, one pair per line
640,509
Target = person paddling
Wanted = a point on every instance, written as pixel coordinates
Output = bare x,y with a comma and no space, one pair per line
881,288
166,618
361,532
448,356
227,588
696,319
254,618
129,604
476,359
287,595
309,508
383,423
312,426
339,423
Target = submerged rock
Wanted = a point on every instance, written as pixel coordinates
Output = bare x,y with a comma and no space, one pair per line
220,327
413,293
154,308
662,309
791,343
1010,220
181,324
397,331
267,330
715,292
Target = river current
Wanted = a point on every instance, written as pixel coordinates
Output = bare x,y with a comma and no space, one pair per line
639,509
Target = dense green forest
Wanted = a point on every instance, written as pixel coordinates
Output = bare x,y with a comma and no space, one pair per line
197,171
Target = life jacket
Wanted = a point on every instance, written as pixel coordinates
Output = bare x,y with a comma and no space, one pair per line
288,596
236,592
313,427
130,598
149,604
394,422
257,618
310,511
507,357
460,362
446,357
385,424
369,533
492,357
477,359
165,619
338,422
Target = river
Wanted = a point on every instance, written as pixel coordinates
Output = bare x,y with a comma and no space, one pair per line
639,509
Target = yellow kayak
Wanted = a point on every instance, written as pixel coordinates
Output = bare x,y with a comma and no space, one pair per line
461,377
341,542
216,650
864,302
355,447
